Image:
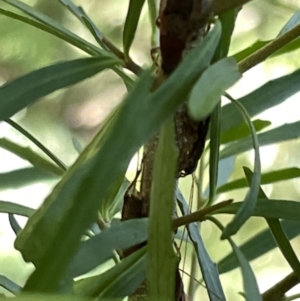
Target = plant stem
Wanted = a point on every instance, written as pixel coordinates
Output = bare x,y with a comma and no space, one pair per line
263,53
277,292
198,216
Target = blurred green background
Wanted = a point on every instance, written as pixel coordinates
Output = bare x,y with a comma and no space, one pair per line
69,118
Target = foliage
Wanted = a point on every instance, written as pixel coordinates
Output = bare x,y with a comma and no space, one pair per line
92,189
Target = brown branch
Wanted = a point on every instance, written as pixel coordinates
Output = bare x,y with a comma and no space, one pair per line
198,216
263,53
277,292
222,6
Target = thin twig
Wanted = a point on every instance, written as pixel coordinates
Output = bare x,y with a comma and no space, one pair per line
198,215
263,53
277,292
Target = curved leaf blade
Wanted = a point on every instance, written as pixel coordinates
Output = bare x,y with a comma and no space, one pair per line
9,285
250,200
19,93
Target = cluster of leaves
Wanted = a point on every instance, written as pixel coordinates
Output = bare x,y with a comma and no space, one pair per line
93,187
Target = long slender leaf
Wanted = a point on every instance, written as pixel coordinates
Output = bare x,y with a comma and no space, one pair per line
118,282
99,248
34,158
269,95
9,285
102,169
22,177
253,247
161,262
282,209
208,267
131,22
8,207
266,178
242,130
19,93
283,133
249,203
249,281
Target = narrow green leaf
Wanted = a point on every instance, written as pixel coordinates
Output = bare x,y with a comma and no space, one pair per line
22,177
249,281
21,92
92,181
131,22
205,96
254,248
208,267
54,28
100,247
283,133
266,178
249,203
9,285
8,207
161,264
118,282
282,209
269,95
31,156
242,130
